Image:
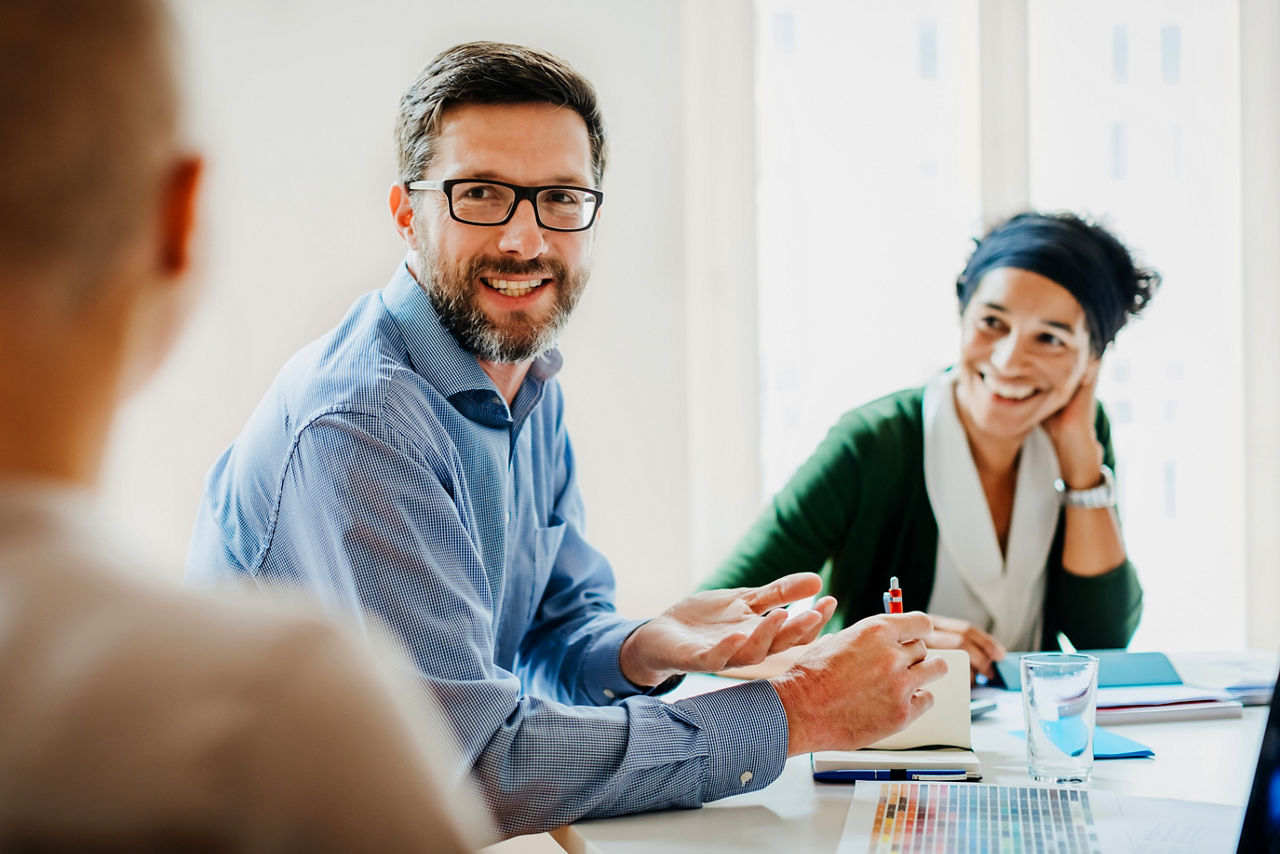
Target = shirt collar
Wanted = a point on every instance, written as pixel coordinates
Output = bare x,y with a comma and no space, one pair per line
438,357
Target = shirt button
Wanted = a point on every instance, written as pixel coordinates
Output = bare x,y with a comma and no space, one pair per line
508,517
609,693
746,777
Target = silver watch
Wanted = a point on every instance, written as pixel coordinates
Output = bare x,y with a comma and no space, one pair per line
1094,498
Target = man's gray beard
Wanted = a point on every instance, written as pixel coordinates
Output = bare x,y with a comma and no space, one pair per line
453,296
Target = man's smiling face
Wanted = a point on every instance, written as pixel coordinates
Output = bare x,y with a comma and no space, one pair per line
504,291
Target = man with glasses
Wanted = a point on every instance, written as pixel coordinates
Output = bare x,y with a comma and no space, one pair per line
414,465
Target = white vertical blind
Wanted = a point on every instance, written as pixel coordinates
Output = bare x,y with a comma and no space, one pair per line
869,191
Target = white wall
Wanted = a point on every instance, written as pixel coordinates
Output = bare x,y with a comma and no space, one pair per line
294,103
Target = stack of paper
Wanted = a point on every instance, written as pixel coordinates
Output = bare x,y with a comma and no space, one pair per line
1151,703
1249,677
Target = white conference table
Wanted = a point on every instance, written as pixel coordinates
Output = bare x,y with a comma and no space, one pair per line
1206,760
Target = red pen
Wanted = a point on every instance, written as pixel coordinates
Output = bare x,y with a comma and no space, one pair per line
893,599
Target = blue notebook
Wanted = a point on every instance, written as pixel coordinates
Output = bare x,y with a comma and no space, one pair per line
1116,668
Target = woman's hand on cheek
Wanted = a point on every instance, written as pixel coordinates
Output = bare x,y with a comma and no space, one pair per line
1071,430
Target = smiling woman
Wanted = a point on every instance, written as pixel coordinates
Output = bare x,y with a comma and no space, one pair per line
988,492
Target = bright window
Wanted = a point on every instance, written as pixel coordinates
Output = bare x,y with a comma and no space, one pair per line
1134,118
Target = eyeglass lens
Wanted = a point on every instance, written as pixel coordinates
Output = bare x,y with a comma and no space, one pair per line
557,207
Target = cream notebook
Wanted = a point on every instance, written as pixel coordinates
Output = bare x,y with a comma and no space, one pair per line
938,738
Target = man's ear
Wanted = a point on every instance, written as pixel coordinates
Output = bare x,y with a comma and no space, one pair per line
402,214
181,196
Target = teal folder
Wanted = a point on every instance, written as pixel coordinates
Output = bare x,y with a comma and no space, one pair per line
1116,669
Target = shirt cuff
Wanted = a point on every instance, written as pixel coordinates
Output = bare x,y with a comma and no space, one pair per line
746,730
602,677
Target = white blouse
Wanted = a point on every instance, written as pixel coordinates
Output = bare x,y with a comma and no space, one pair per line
1004,595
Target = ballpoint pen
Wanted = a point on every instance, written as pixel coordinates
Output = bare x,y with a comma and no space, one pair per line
921,775
893,598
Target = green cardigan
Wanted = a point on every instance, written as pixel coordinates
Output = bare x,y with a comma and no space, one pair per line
857,511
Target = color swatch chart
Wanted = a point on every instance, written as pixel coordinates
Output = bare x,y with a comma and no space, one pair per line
914,818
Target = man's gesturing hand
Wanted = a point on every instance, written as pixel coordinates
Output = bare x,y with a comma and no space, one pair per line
856,687
715,629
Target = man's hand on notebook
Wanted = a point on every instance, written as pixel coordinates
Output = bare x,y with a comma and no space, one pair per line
715,629
855,687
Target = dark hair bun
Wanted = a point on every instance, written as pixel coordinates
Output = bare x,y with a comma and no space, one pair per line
1081,256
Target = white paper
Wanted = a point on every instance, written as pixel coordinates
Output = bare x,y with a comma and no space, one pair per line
1167,826
947,721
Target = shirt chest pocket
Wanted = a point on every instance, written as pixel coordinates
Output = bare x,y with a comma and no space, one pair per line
546,547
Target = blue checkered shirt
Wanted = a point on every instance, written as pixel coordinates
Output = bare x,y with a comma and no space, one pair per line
384,474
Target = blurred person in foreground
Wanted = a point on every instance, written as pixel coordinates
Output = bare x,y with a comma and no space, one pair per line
988,492
414,463
135,715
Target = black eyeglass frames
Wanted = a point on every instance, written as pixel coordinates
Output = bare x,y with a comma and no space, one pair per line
478,202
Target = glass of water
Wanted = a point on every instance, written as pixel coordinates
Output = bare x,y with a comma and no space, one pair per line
1059,703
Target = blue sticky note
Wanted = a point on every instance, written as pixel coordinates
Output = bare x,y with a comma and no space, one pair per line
1111,745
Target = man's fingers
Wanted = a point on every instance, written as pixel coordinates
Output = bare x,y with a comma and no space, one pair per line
921,702
910,626
928,670
915,650
754,649
799,629
826,606
720,655
787,589
804,626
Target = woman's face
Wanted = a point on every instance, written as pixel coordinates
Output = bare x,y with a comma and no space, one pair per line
1024,348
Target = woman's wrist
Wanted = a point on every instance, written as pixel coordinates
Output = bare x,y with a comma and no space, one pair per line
1080,463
